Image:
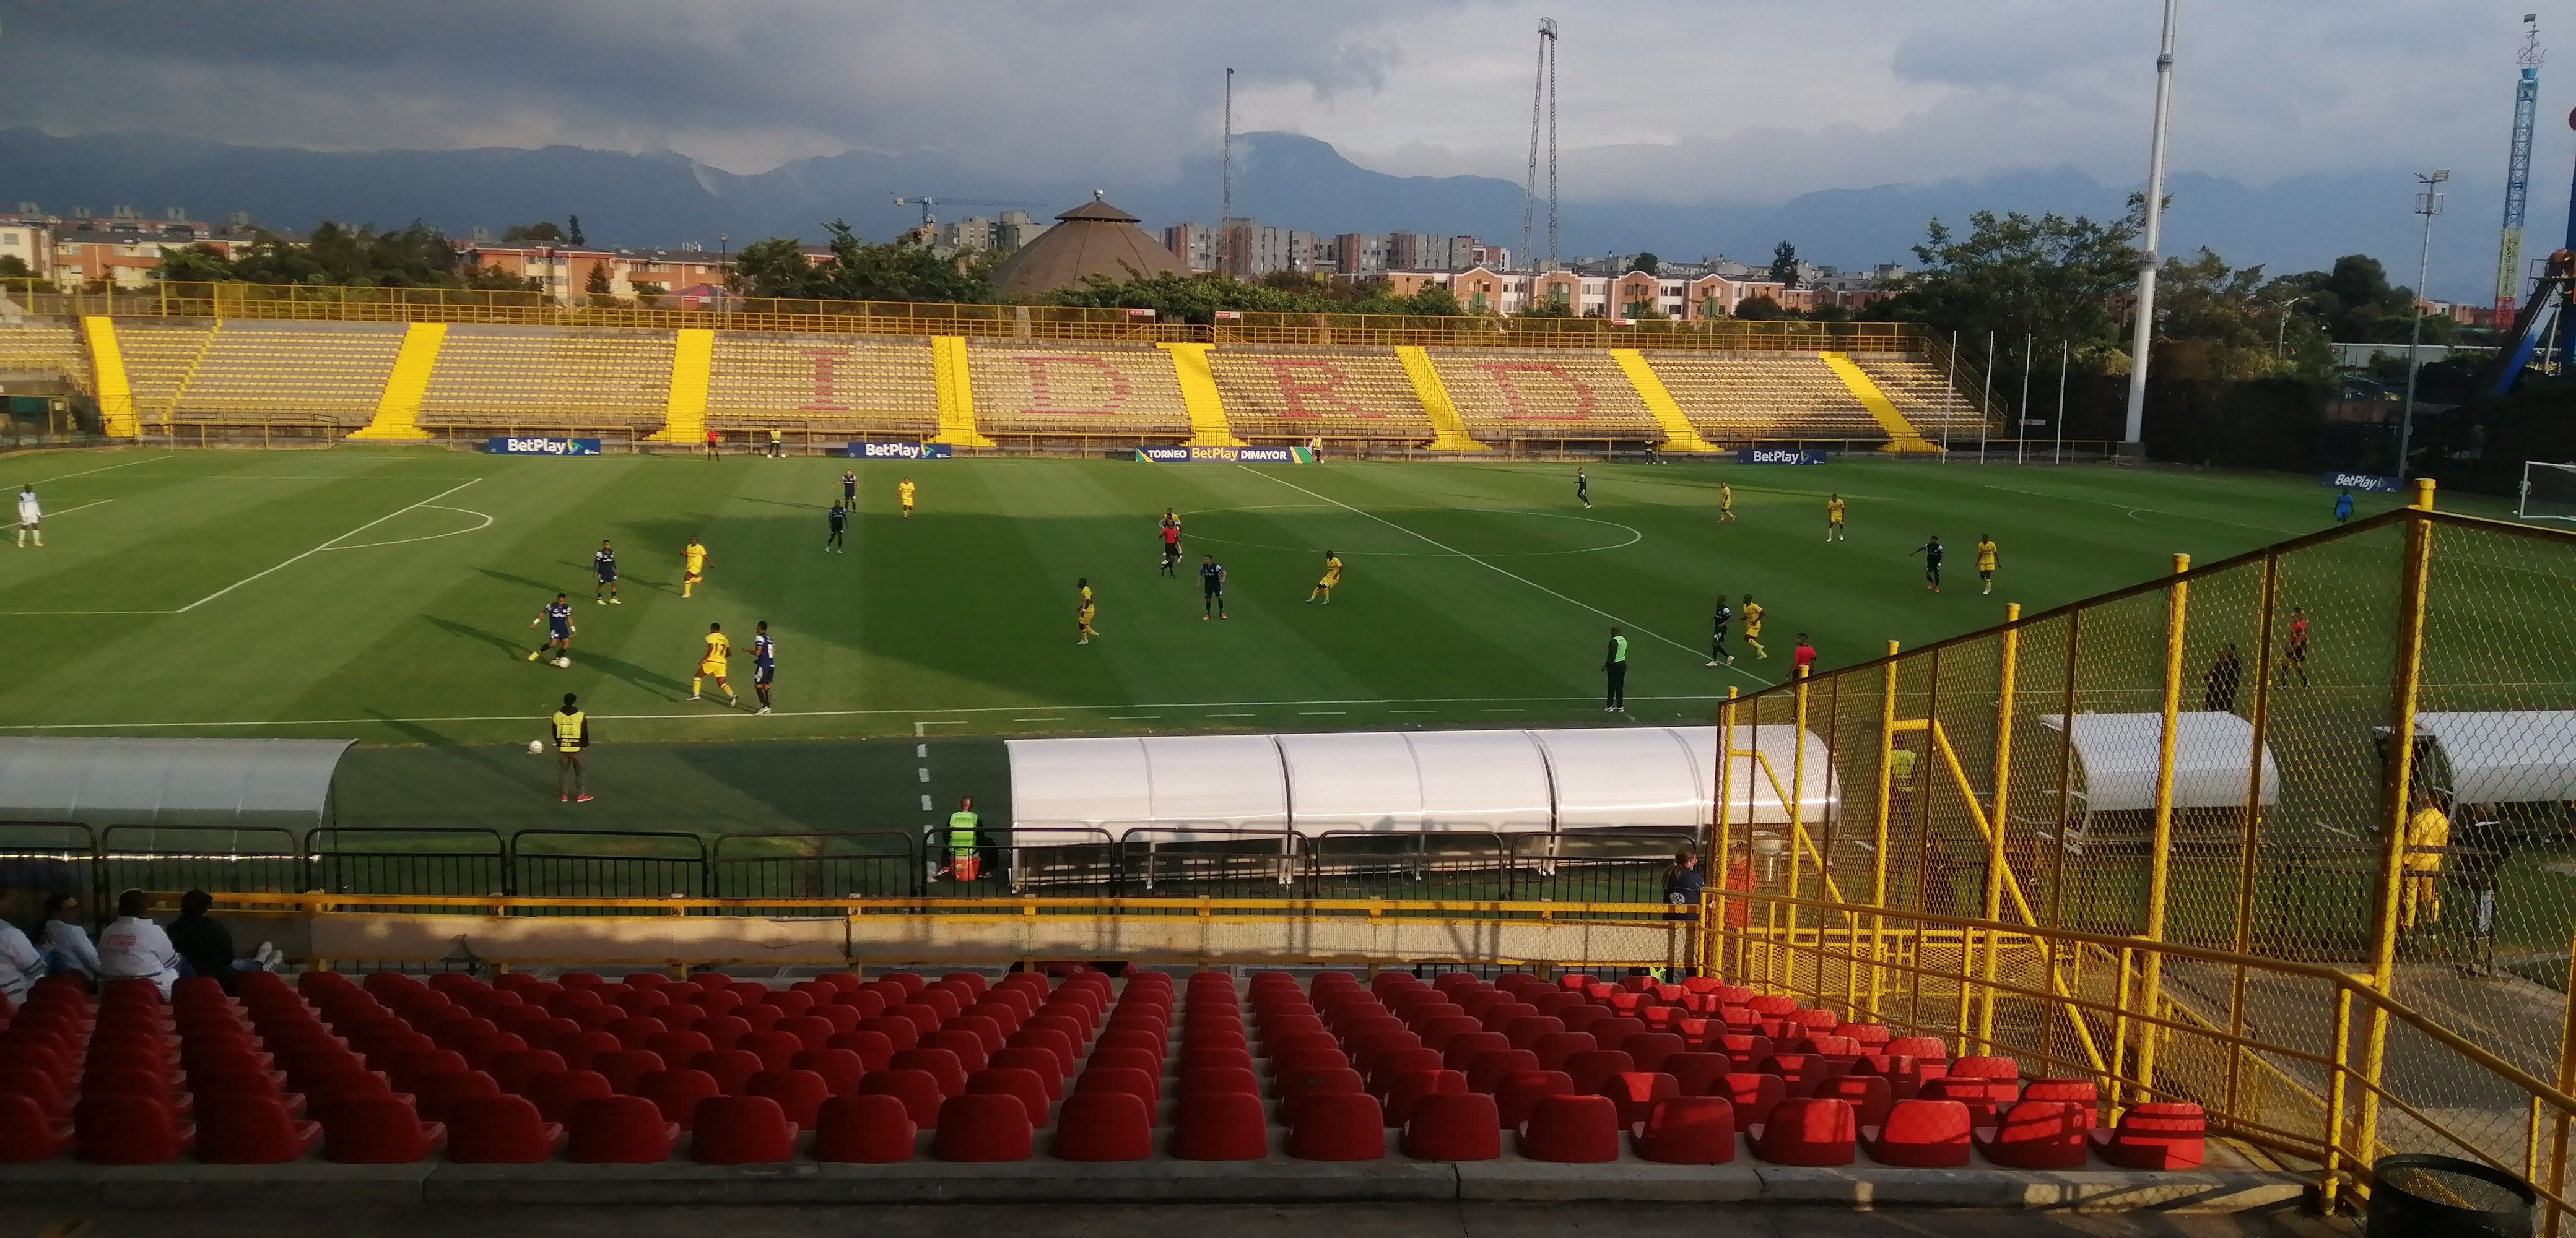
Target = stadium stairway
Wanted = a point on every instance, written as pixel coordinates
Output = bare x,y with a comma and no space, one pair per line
1901,434
115,393
684,415
1208,425
397,418
1449,430
956,390
1679,433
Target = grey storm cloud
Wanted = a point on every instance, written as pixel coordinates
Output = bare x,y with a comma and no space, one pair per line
1670,100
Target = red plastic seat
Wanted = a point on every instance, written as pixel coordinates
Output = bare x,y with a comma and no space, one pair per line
1636,1093
1806,1130
251,1131
901,1033
619,1130
873,1048
1983,1068
555,1094
1572,1129
939,1064
1486,1070
984,1128
864,1130
1517,1093
1135,1081
1105,1126
1388,1067
732,1069
1613,1033
676,1093
1920,1134
1554,1047
741,1130
1454,1126
918,1090
798,1093
1338,1126
500,1130
623,1067
2035,1134
377,1131
439,1093
1591,1068
2159,1135
1297,1090
1649,1049
1688,1130
774,1049
1752,1095
31,1132
1406,1091
1014,1081
1219,1126
1868,1094
2084,1094
1524,1032
1984,1097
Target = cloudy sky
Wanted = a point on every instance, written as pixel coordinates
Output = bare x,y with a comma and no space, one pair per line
1669,100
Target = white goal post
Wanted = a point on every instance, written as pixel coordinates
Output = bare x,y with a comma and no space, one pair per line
2548,491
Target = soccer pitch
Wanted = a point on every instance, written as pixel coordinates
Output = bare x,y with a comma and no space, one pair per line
387,596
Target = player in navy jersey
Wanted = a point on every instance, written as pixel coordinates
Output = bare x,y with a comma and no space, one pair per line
1212,583
836,521
558,621
764,663
604,565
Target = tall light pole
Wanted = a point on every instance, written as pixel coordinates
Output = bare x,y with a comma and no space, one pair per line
2427,204
2134,431
2281,336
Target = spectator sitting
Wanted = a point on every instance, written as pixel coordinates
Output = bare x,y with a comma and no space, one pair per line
134,948
206,947
20,966
66,944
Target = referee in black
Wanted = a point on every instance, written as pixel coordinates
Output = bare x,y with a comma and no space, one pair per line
1614,665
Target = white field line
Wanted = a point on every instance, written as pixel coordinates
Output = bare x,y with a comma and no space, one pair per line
1694,652
747,717
333,544
43,481
60,512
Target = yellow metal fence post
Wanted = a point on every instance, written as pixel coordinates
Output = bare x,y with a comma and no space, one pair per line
1721,846
2566,1083
1994,903
1878,833
2250,841
1797,832
2160,842
2329,1173
2397,803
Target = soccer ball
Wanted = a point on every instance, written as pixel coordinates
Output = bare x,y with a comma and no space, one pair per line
536,747
562,662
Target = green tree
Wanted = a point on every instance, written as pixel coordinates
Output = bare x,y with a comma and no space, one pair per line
14,267
774,267
601,290
1784,264
2356,302
542,232
199,263
494,279
572,227
1759,309
2055,277
1647,262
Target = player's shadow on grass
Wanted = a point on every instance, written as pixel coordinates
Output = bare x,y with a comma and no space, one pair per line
523,582
802,507
614,668
623,577
478,757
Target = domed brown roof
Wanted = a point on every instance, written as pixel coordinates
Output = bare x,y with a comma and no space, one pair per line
1094,238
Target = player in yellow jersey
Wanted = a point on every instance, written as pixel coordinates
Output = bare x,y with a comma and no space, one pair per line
1083,610
693,566
1332,576
903,493
713,664
1725,503
1752,616
1834,517
1986,560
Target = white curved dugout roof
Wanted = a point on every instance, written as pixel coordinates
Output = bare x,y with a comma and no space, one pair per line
2116,757
1504,782
233,783
2520,757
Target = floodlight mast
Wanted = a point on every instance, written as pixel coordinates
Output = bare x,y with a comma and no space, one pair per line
2143,340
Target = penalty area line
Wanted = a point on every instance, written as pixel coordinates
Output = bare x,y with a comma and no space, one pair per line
334,542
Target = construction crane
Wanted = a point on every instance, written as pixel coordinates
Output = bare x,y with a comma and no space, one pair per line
930,205
2517,178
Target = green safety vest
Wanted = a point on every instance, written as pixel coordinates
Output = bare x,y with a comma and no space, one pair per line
961,832
1618,648
568,731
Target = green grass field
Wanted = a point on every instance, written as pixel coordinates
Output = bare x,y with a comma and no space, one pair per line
387,596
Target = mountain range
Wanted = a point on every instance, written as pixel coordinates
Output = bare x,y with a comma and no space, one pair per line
663,199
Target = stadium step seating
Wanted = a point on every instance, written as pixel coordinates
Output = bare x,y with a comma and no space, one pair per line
1543,395
1054,392
1679,434
1449,427
684,411
549,379
1764,397
1298,394
1922,392
42,346
856,387
119,416
1901,434
397,1070
1208,426
397,416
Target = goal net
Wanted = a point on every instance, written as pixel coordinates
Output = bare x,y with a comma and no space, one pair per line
2548,491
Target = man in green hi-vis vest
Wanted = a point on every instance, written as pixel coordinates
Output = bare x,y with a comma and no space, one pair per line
964,863
1614,665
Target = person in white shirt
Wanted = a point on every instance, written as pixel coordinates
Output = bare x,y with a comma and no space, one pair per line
66,944
20,966
134,948
29,516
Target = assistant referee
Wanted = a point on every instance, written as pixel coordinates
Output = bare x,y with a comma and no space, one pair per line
572,738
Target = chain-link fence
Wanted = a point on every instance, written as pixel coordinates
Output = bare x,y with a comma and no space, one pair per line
2353,754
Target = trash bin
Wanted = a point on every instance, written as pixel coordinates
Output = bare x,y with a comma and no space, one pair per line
2446,1197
